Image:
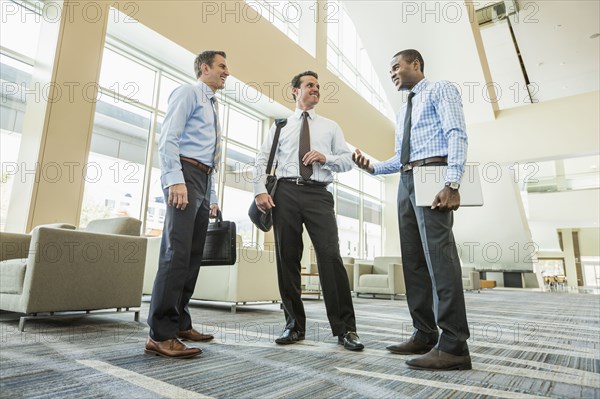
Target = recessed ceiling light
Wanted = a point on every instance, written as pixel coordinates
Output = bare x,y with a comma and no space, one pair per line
559,26
594,166
540,64
562,63
595,35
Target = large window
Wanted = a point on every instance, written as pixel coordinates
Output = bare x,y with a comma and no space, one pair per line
19,33
359,208
123,176
116,163
296,19
348,218
347,57
238,192
114,183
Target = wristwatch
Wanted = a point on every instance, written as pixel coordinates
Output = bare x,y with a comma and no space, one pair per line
452,185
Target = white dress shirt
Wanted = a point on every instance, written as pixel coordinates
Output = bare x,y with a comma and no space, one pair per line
326,137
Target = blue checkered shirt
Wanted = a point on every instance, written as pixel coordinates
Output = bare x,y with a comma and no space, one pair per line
437,129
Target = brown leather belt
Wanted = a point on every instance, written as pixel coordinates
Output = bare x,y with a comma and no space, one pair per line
206,169
422,162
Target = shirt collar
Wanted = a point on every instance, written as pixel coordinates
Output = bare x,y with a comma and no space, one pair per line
205,89
311,113
420,86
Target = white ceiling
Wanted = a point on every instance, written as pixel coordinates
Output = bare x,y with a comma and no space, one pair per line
553,37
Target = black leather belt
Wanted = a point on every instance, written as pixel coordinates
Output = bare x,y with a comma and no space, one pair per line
205,168
421,162
303,182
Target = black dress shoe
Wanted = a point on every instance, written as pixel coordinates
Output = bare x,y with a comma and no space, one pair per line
437,360
410,347
289,337
350,341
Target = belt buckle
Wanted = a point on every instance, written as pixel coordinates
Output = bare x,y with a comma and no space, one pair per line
407,167
299,181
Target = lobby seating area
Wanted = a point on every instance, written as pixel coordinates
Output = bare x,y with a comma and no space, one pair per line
59,269
470,279
383,276
251,280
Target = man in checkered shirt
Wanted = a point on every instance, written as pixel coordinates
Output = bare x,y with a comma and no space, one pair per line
430,131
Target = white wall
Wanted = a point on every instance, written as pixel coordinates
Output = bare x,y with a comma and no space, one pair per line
391,235
496,235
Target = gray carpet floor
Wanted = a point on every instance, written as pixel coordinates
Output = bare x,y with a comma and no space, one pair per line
523,345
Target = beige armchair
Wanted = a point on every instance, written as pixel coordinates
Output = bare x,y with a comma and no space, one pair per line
470,279
313,283
60,269
251,280
383,276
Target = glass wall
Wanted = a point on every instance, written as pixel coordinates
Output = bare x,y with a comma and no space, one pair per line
359,210
296,19
347,57
114,183
122,173
19,34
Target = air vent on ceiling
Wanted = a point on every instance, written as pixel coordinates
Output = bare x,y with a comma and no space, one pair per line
496,11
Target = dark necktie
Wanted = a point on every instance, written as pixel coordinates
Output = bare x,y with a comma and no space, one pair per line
405,151
304,147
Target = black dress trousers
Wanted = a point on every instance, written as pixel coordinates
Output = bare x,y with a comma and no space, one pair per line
181,250
313,207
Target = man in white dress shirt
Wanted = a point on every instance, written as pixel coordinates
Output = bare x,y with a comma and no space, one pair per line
310,149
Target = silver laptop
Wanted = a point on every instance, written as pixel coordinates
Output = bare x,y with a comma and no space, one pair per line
429,180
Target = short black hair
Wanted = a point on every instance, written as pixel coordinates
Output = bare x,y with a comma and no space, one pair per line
206,57
296,80
410,55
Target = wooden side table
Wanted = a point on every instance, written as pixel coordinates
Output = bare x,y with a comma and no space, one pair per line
487,283
312,292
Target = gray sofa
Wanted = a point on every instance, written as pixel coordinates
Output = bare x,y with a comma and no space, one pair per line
59,269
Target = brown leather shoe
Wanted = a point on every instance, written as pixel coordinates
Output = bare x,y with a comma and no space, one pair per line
193,335
437,360
410,347
171,348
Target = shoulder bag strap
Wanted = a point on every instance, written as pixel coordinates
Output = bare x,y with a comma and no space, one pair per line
279,123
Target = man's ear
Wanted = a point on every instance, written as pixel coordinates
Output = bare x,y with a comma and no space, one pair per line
204,68
295,91
418,64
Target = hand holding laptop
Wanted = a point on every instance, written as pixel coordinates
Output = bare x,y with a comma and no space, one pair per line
430,183
446,200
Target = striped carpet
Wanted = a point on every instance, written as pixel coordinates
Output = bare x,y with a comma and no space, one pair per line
523,345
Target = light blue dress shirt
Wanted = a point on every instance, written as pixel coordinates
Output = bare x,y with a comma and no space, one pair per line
326,137
188,130
437,129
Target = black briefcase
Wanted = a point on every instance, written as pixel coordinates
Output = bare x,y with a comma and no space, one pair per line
220,245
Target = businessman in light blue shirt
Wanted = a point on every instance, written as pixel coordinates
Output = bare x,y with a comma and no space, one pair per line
430,131
189,152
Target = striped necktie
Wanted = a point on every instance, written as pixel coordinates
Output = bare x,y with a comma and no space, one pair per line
217,154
